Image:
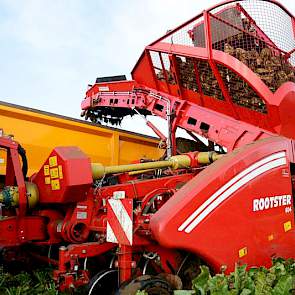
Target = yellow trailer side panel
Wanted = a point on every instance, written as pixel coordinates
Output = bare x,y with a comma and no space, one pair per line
39,132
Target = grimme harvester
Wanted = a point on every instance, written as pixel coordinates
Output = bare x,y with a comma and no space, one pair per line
226,75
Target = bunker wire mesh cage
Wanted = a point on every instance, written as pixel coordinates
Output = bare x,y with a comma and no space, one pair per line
260,34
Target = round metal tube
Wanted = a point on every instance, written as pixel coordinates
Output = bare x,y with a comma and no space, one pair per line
98,170
207,157
175,162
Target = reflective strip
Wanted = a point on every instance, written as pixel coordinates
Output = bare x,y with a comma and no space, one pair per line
123,218
224,188
110,235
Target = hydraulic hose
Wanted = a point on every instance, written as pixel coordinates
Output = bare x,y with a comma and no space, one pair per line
22,153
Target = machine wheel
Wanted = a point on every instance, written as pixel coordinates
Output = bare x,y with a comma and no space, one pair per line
189,269
151,284
105,282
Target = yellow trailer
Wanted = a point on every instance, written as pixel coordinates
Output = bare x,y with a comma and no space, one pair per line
39,132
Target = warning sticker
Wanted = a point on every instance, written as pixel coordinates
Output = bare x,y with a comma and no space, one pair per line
53,161
46,170
103,88
81,215
119,195
287,226
47,180
55,185
243,252
54,172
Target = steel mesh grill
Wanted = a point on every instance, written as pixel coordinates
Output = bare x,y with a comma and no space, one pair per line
258,33
259,54
156,61
186,69
167,67
162,67
191,68
292,59
184,35
240,91
262,35
273,21
269,17
208,81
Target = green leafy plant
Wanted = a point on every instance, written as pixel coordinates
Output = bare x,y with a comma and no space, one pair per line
277,280
35,283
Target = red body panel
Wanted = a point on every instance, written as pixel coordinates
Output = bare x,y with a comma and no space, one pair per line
65,177
227,231
16,231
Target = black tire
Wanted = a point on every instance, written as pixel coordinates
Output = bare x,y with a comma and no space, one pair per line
156,287
151,284
105,282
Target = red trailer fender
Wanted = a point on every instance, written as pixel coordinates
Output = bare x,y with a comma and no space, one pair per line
239,209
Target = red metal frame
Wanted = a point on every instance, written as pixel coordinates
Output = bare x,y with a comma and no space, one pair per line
70,255
170,32
216,73
220,130
13,177
274,116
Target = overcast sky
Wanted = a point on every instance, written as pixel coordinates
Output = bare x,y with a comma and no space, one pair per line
51,49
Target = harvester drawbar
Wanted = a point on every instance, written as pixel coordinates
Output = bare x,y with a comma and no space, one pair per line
226,76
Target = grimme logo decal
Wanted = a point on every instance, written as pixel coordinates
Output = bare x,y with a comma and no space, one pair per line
271,202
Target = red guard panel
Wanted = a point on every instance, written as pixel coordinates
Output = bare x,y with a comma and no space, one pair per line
238,209
65,177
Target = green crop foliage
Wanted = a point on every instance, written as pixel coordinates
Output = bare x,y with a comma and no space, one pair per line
277,280
35,283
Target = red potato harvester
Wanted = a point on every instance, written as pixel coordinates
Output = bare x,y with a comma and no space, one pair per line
227,76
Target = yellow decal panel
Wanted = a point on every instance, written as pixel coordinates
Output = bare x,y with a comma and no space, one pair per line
243,252
46,170
47,180
54,172
55,185
287,226
53,161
